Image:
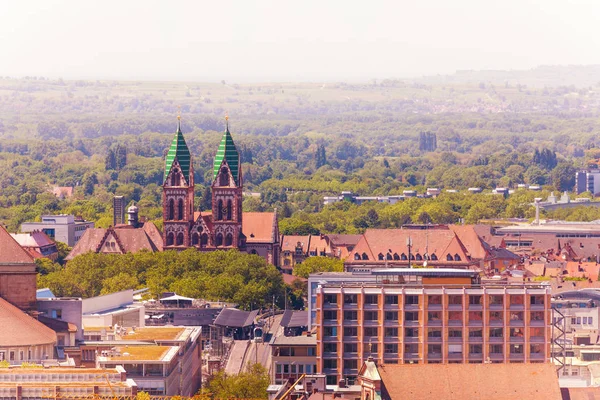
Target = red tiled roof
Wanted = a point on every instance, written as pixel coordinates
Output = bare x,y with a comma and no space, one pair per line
19,329
11,252
344,240
154,234
470,239
440,242
318,244
584,269
289,242
258,227
471,381
130,240
32,239
289,279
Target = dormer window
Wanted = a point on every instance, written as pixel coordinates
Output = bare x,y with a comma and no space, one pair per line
380,256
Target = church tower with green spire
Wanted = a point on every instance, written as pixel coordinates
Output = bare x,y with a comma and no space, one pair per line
227,195
178,193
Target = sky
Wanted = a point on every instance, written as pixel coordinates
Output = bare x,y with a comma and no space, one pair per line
303,40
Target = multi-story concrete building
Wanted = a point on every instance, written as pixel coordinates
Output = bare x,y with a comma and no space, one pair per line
426,315
61,228
292,356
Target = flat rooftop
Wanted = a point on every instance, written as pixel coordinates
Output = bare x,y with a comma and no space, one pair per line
303,340
141,353
156,333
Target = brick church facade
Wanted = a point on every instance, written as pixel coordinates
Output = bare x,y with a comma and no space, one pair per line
225,226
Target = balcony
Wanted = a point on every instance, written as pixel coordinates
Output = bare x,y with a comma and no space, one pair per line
434,307
434,339
350,355
537,356
516,357
537,339
455,356
411,356
455,307
496,322
455,322
516,339
516,307
535,322
452,339
496,356
411,323
434,323
476,339
475,356
411,339
330,354
496,307
411,307
537,307
494,339
475,307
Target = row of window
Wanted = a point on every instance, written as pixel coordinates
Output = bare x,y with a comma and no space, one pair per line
404,257
220,239
435,351
12,355
295,368
369,331
436,316
582,320
435,299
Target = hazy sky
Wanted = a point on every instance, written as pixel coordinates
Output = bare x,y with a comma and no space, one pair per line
291,40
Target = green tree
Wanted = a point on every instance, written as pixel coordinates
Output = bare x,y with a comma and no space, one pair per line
251,384
318,264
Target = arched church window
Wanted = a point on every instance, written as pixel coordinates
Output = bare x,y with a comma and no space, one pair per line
180,210
203,240
219,239
195,239
228,239
170,239
229,210
224,177
175,179
171,210
220,210
180,239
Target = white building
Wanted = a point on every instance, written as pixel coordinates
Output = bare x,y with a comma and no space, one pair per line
62,228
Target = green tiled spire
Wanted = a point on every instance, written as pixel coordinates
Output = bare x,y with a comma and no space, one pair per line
227,151
179,151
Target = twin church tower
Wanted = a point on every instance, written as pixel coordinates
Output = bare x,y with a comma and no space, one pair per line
225,227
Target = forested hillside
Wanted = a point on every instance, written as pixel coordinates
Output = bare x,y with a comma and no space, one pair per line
298,143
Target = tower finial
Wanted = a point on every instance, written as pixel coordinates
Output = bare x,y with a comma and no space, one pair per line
227,122
178,118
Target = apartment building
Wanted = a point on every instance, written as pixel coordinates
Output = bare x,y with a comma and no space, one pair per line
426,315
292,356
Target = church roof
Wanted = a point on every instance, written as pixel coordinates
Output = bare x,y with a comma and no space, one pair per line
179,151
130,240
11,252
19,329
228,152
258,226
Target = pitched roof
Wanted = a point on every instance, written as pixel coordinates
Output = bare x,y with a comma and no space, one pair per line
179,150
153,233
32,239
294,319
584,269
259,227
130,240
227,151
470,381
234,318
289,242
440,242
344,240
11,252
470,239
19,329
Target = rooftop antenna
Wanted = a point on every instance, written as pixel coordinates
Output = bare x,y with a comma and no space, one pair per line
227,121
178,118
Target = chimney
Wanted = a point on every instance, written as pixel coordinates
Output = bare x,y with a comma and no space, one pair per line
132,216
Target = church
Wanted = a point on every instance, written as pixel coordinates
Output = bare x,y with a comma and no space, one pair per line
226,226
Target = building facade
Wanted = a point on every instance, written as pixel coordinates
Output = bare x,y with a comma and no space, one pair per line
61,228
429,316
292,356
225,226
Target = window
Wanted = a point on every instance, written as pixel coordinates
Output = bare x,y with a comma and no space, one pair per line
434,299
455,300
350,364
229,210
497,332
411,316
475,349
578,320
219,239
350,298
516,316
516,349
365,256
330,363
434,316
171,210
350,347
496,349
457,257
537,299
391,299
351,315
411,332
475,300
350,331
371,331
391,315
12,356
391,332
434,349
311,351
21,355
412,348
516,300
455,333
180,210
390,348
330,314
380,256
496,316
536,348
371,299
403,257
516,332
414,300
327,348
371,315
475,316
434,333
455,316
330,299
537,316
330,331
536,332
449,258
496,300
